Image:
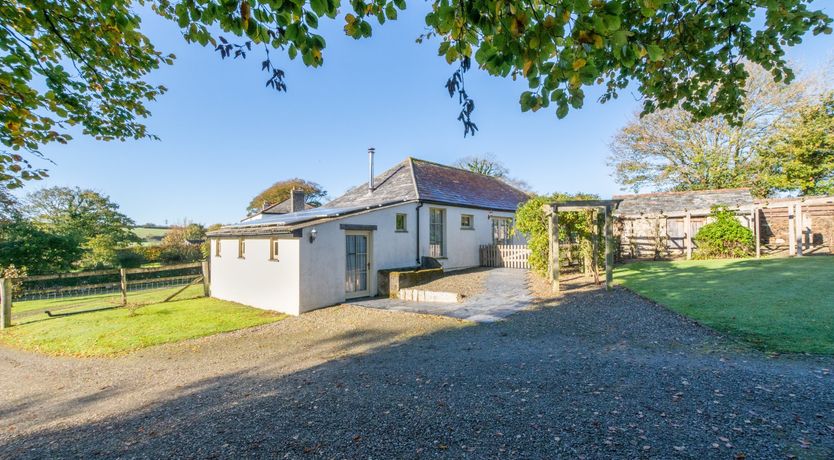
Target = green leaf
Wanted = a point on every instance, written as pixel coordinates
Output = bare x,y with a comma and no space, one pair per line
562,110
655,52
391,12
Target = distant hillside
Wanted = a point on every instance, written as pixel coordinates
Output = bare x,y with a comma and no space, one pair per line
150,235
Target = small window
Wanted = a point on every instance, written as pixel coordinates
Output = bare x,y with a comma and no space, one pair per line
401,225
467,222
273,249
217,247
437,232
241,248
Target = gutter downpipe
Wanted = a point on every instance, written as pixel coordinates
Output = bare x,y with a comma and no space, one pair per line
420,205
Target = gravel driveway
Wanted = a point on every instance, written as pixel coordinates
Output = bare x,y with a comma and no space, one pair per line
505,292
594,374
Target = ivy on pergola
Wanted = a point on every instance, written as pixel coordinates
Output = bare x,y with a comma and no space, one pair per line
552,210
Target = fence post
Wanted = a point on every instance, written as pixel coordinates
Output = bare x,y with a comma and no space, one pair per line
609,247
6,299
205,268
123,276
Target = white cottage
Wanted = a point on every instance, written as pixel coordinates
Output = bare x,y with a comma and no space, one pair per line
303,260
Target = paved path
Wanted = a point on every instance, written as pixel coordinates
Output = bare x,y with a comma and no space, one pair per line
591,375
505,292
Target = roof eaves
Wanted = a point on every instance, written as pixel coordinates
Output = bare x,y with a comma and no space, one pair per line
268,229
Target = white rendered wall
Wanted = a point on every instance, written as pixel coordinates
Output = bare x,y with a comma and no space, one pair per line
323,261
462,246
312,275
256,280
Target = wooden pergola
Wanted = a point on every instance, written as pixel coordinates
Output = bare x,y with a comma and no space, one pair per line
552,210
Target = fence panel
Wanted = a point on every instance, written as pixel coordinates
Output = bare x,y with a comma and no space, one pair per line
505,255
43,296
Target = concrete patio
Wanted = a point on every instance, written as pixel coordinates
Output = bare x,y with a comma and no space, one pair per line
505,293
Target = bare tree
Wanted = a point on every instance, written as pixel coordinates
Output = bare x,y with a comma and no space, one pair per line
486,164
668,150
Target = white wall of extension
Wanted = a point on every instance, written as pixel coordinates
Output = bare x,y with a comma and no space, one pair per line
255,279
311,274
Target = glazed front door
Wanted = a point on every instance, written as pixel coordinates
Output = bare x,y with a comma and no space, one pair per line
357,265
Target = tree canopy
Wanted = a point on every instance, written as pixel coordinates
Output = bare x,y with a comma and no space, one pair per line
87,220
280,191
86,64
486,164
671,150
36,250
799,157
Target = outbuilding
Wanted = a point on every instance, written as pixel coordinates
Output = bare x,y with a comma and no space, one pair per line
299,261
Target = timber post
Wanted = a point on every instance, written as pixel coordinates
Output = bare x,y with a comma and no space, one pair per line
687,233
554,251
791,231
205,269
6,300
609,247
800,230
123,285
757,229
595,245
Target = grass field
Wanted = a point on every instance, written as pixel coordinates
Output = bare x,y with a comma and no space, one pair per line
150,235
115,331
780,305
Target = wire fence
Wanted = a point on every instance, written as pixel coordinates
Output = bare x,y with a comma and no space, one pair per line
46,296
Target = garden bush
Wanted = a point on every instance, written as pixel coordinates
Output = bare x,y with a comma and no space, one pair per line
180,253
723,238
532,222
132,257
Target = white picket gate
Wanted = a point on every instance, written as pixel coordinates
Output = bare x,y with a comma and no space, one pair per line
505,255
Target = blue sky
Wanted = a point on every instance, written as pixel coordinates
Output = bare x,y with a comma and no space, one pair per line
224,137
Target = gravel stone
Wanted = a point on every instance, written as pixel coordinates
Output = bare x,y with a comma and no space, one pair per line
589,374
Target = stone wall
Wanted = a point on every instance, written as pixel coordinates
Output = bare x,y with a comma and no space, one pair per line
390,282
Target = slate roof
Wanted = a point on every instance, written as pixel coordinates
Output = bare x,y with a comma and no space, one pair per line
408,181
283,207
395,184
669,202
413,180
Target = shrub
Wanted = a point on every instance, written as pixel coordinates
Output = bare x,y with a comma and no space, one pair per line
532,221
724,237
151,253
130,257
180,253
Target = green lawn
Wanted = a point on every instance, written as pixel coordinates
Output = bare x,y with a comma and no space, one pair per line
103,300
115,331
783,305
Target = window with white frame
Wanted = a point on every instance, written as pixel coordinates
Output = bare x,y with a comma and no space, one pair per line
467,222
437,232
401,224
273,249
502,230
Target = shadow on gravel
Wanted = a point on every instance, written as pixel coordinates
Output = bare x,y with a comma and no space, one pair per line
595,374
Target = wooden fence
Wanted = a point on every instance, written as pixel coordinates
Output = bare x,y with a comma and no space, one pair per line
102,288
505,255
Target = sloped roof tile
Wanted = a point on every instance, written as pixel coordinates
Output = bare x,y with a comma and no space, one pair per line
414,179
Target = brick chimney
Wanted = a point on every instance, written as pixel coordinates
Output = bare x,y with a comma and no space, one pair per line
297,200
